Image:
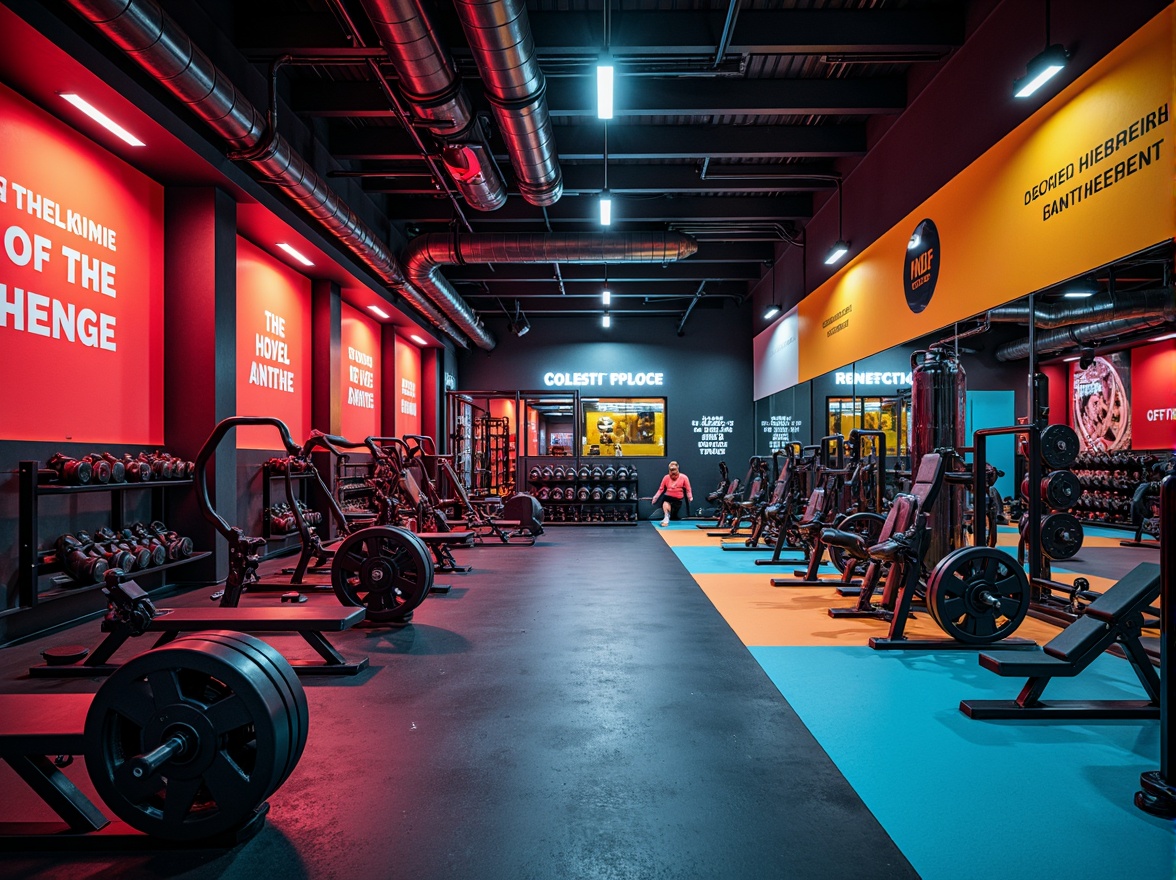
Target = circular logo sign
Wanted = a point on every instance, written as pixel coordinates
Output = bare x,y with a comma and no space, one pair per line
922,266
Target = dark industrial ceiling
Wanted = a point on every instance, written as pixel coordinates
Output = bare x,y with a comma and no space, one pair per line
731,118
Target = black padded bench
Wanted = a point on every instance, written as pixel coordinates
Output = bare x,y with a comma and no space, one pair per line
440,544
1115,616
310,622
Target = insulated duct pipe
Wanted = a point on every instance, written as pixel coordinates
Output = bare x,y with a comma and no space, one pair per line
426,254
430,85
499,34
1101,307
160,47
1109,317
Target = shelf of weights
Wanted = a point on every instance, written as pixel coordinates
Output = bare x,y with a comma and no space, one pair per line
353,489
585,495
41,577
1109,481
281,542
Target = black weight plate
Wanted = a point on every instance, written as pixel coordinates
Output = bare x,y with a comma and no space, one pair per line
963,588
869,526
385,569
1061,535
1059,446
1060,490
236,723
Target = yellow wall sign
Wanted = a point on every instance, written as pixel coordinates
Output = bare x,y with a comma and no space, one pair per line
1084,181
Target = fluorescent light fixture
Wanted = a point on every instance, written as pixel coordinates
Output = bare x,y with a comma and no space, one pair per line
417,339
605,208
1069,360
102,119
301,259
606,322
771,312
606,296
379,312
1041,70
837,252
1077,294
1162,338
604,88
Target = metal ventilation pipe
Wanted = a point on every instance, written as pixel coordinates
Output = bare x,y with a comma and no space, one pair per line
426,254
1101,307
430,85
499,34
1163,312
158,45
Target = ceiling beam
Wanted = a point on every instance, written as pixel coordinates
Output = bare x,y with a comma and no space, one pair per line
627,290
531,273
581,209
642,142
935,29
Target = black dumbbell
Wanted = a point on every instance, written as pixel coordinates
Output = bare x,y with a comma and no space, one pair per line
78,563
178,547
156,552
112,543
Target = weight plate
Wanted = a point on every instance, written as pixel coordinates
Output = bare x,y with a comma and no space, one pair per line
1060,490
385,569
1059,446
1061,535
233,720
978,595
869,526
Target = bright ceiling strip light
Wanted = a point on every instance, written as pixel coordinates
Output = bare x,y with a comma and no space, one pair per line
379,312
604,88
606,296
771,312
1041,70
607,321
1069,360
606,208
1162,338
1077,294
837,253
102,119
417,339
301,259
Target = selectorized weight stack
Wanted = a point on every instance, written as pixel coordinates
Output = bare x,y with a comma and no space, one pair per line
183,742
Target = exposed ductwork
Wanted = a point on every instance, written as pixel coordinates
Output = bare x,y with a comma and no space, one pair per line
1087,322
499,34
430,85
160,47
426,254
1101,307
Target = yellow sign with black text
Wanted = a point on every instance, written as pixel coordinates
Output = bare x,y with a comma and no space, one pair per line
1084,181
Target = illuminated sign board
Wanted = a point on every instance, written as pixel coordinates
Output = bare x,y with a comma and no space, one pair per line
845,377
610,380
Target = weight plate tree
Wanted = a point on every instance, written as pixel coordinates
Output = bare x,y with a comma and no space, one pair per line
869,526
186,741
385,569
978,595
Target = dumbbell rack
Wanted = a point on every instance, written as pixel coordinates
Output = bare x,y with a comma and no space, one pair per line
576,506
279,540
352,484
1106,499
35,563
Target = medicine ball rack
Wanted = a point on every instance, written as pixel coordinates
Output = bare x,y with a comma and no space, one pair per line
35,563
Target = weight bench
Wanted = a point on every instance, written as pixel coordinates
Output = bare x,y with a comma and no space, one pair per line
308,622
440,544
1115,616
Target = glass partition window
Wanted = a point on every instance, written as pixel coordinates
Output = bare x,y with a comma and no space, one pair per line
550,423
887,414
624,426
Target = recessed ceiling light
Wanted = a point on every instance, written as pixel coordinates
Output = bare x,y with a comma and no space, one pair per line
1162,338
301,259
102,119
378,312
417,339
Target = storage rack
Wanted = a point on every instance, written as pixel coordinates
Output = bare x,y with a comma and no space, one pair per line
1109,481
279,541
353,486
491,456
576,510
35,563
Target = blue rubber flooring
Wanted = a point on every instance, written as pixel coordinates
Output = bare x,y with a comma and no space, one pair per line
1018,800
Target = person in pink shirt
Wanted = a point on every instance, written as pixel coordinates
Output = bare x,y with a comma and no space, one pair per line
674,487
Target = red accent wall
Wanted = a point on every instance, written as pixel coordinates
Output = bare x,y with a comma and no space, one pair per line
1059,392
359,358
81,287
408,388
273,346
1153,396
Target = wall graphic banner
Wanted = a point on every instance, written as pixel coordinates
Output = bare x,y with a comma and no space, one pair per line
408,388
1085,180
359,375
273,346
1101,403
81,287
1153,396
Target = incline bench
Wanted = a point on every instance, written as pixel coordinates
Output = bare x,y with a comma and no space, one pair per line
1115,616
131,614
